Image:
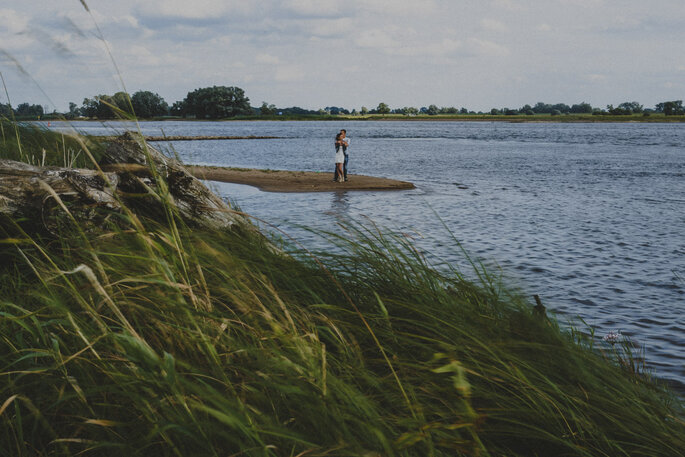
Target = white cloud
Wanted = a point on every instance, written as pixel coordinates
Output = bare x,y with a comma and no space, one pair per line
508,5
289,73
376,39
493,25
315,7
197,9
595,77
411,8
200,43
434,49
582,3
16,25
267,59
333,27
140,55
13,21
487,48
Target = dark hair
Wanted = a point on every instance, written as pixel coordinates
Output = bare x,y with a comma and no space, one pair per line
343,130
337,137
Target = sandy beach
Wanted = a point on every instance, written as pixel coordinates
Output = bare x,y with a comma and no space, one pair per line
295,181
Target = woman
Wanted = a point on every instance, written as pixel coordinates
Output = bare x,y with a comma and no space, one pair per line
339,158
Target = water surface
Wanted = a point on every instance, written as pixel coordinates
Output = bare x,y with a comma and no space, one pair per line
588,216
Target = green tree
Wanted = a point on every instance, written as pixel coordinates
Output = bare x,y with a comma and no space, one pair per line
671,108
107,106
89,107
27,110
633,107
147,104
541,107
382,108
74,111
217,102
409,111
120,104
581,108
6,110
364,110
178,108
432,110
561,107
619,110
267,110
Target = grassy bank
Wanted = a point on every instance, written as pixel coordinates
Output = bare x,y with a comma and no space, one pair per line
144,337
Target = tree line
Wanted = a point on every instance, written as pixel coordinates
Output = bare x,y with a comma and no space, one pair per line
221,102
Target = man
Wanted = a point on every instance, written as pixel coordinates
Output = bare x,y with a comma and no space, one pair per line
346,145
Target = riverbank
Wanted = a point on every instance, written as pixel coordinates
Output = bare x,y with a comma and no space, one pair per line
296,181
516,118
130,327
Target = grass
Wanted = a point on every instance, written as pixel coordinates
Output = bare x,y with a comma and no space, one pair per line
29,143
147,338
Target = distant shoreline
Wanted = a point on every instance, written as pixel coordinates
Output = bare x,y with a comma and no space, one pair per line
520,118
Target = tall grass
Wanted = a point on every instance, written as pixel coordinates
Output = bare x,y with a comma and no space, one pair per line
30,143
147,338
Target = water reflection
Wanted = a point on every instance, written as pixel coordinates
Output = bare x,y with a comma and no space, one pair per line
340,205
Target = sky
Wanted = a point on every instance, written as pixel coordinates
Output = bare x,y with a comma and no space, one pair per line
478,54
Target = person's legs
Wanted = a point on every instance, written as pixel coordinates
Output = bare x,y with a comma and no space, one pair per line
340,172
347,158
335,175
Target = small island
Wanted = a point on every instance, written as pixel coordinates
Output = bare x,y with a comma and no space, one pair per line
295,181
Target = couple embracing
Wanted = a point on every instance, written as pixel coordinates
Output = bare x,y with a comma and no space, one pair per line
341,156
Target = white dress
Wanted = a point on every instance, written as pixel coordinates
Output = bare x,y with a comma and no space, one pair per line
339,155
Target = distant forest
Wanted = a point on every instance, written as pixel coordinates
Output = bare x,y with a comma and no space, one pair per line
222,102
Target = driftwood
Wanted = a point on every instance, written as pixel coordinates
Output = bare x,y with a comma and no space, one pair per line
131,176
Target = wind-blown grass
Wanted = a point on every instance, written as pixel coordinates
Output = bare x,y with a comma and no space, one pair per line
147,338
27,142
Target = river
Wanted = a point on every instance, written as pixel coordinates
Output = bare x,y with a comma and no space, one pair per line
590,216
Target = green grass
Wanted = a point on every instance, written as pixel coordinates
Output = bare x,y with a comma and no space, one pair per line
30,143
148,338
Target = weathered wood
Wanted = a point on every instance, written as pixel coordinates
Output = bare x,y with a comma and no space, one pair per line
29,193
132,174
539,309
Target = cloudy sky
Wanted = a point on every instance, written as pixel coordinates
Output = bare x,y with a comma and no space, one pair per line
478,54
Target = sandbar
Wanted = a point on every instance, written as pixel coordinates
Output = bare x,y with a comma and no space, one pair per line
295,181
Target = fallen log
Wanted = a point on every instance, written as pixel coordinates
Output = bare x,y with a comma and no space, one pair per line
133,174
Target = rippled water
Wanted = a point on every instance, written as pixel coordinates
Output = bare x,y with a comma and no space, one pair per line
588,216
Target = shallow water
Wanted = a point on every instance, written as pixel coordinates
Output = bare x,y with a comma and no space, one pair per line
588,216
